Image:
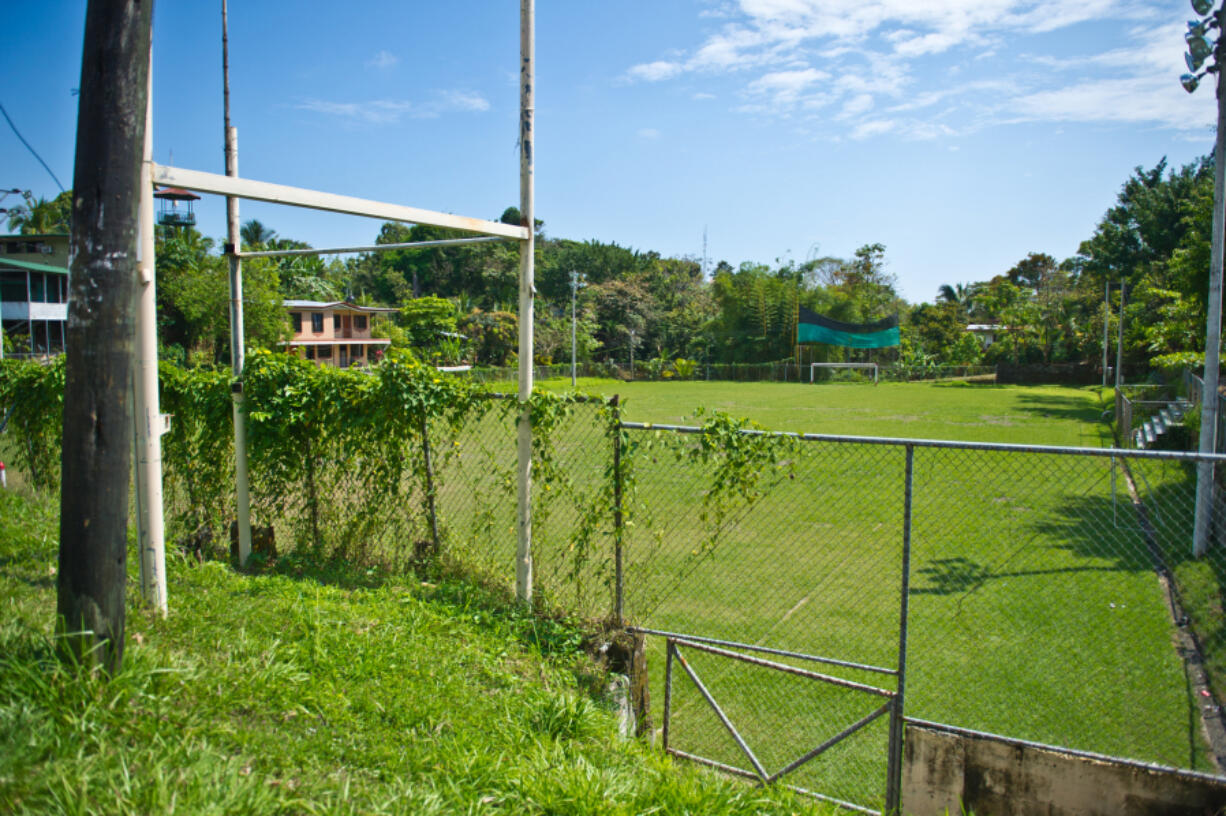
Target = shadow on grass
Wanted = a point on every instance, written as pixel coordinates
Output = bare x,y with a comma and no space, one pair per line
1054,406
953,576
1109,536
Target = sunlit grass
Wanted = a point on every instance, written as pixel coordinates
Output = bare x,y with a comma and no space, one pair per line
317,690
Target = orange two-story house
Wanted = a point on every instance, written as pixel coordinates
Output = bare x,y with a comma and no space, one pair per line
336,334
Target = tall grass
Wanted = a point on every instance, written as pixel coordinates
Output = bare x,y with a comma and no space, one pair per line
317,689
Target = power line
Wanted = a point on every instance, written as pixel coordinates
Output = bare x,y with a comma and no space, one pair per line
30,148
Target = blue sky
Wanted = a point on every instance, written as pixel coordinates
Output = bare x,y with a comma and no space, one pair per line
962,134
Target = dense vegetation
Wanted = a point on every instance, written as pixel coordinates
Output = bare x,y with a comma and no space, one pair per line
1155,239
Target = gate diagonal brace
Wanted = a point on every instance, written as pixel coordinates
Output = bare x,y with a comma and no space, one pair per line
833,741
764,778
719,712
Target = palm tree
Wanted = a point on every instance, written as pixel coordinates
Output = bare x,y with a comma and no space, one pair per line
952,294
255,234
40,216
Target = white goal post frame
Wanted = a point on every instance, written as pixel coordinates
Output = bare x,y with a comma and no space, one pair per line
814,366
234,187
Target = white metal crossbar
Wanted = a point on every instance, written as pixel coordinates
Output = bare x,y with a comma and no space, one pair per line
202,182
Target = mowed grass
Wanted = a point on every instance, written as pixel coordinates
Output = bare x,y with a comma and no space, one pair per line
317,690
978,412
1035,610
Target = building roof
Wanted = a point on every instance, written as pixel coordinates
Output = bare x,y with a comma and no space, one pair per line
316,304
176,194
984,327
32,267
17,236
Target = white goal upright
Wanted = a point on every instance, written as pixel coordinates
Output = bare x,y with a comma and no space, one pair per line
813,367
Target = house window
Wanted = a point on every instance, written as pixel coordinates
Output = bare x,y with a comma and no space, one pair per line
355,352
310,352
359,322
317,322
325,352
295,319
13,287
336,322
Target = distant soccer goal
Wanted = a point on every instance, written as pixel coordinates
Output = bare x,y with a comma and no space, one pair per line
813,367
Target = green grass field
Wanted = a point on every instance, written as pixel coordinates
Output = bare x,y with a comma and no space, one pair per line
1035,608
1040,415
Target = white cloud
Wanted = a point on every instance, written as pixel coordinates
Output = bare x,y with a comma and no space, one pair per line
390,111
856,106
1157,100
792,57
463,101
654,71
874,127
382,60
649,134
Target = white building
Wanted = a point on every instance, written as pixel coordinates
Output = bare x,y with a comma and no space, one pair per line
34,293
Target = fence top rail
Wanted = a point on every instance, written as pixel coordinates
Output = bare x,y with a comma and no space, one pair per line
902,442
578,398
764,649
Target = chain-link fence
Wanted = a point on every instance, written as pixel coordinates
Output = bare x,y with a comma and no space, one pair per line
1047,596
805,592
777,371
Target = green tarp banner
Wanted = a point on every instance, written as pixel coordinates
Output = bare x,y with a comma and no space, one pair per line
813,328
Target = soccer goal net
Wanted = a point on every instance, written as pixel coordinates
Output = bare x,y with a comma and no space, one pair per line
813,367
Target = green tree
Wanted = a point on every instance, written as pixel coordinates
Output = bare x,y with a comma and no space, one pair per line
40,216
194,298
427,320
255,235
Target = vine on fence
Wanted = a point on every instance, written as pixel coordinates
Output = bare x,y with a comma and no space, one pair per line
355,464
31,411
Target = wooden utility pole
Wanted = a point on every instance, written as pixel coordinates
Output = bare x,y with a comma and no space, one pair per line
102,330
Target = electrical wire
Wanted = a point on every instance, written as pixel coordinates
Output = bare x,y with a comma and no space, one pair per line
30,148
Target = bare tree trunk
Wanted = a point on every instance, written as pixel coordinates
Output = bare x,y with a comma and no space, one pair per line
101,331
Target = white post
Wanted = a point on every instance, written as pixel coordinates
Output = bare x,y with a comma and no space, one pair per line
574,290
148,417
632,354
237,350
1106,323
527,290
1119,340
1213,336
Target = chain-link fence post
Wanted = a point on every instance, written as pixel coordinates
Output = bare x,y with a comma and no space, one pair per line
431,509
893,792
618,518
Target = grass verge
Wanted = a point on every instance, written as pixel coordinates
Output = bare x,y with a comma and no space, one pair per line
317,690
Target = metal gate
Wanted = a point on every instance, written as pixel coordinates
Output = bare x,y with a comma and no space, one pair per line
774,711
884,702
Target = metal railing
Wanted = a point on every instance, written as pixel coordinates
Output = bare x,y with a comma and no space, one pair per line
1019,590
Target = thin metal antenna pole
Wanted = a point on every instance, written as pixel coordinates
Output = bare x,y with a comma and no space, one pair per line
237,350
1213,329
527,290
149,422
